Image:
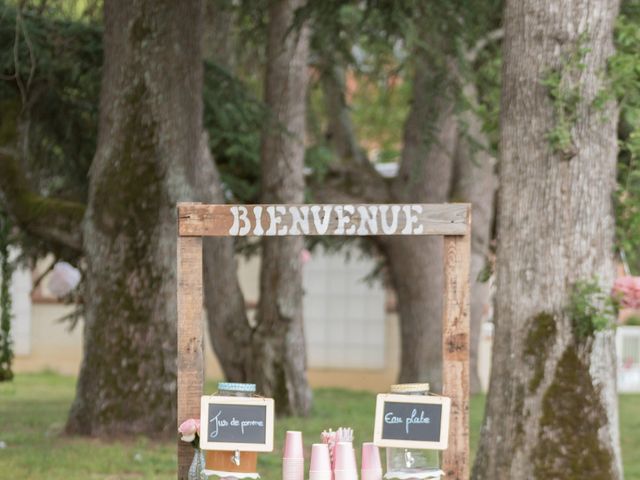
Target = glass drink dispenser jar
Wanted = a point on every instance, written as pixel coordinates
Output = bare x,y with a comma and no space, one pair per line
406,463
238,464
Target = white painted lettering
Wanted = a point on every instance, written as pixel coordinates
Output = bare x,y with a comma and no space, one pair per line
368,220
275,219
344,220
321,225
240,215
257,214
299,220
410,218
389,228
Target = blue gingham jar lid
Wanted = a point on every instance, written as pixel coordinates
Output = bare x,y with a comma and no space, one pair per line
237,387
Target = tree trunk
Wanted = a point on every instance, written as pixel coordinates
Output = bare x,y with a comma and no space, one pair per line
415,263
552,406
149,156
219,35
229,329
476,183
278,341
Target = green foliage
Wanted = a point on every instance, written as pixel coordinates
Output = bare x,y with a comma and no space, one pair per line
564,90
379,109
487,77
568,444
624,72
633,320
51,65
591,309
234,119
49,96
33,409
6,270
539,341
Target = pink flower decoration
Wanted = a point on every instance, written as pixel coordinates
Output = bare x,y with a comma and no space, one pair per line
627,291
305,256
189,429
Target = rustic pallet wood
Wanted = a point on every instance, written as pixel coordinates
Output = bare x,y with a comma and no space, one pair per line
453,221
349,220
190,340
455,353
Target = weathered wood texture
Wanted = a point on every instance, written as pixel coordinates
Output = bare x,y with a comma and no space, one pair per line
552,406
455,353
190,346
278,220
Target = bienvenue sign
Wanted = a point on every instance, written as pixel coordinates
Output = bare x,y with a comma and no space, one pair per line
412,421
236,423
280,220
313,219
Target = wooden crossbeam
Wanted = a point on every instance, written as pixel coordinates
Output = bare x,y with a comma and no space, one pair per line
344,220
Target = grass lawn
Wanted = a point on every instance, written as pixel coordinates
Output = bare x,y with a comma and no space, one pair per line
33,409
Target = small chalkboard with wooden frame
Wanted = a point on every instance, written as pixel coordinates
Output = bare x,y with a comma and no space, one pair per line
412,421
451,221
236,423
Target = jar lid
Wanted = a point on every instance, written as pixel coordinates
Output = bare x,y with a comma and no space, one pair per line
237,387
410,388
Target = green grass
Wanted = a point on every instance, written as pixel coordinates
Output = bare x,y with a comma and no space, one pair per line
33,409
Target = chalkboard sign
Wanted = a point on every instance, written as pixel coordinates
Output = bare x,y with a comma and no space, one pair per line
236,423
412,421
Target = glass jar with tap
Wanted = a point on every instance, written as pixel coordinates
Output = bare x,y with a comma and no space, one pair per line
408,463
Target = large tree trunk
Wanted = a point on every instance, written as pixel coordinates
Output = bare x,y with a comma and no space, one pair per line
278,342
227,320
415,263
150,155
475,182
219,35
552,407
425,175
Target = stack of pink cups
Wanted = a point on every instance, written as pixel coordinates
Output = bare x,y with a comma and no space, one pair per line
371,464
345,462
320,468
293,458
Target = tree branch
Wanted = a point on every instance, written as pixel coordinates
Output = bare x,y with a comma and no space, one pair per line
430,133
52,219
354,176
471,55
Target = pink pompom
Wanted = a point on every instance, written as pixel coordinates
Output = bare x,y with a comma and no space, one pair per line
188,429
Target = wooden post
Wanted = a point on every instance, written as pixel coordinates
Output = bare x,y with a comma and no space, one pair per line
190,354
455,352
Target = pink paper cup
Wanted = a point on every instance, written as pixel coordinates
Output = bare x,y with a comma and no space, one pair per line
345,475
370,457
320,475
293,445
345,458
292,469
320,460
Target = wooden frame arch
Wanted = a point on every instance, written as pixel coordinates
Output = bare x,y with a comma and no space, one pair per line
452,221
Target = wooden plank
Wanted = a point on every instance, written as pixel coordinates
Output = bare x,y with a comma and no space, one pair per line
455,351
190,346
350,220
